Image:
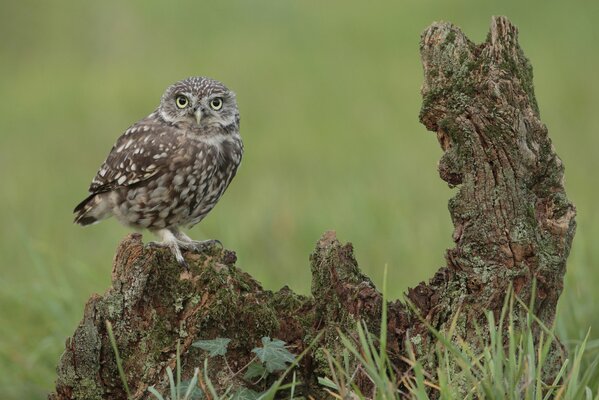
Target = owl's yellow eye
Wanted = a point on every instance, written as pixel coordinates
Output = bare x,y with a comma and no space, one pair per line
216,103
181,101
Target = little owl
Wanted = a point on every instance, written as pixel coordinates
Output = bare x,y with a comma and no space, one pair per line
168,170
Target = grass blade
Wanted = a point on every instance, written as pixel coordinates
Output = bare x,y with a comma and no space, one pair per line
119,363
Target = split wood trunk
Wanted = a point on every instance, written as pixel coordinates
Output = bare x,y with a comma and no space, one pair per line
513,225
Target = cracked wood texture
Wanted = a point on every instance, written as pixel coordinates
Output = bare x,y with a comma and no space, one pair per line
513,225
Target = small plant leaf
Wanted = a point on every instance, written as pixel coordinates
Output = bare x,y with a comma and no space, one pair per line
214,347
327,383
273,354
255,370
246,394
195,393
155,392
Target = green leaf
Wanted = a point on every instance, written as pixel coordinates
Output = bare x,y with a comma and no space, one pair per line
255,370
327,383
155,392
273,354
195,393
246,394
214,347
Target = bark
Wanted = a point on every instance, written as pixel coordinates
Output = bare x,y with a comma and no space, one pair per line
513,225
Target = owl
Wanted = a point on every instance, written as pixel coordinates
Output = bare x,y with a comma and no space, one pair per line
169,170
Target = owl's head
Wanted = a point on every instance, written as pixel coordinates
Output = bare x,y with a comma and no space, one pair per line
199,102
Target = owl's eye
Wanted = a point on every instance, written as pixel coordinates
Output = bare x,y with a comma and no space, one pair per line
216,103
181,101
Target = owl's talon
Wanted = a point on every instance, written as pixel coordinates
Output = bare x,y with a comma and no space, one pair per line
172,243
210,243
183,263
200,245
156,245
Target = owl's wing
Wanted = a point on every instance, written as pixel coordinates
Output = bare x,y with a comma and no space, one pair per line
145,150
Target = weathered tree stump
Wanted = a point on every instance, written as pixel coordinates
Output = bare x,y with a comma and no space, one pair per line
513,225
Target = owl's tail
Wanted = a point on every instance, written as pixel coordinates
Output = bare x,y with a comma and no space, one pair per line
94,208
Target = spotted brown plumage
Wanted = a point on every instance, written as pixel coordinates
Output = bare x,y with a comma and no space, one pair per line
170,169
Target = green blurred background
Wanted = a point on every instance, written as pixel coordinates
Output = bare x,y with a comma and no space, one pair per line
329,99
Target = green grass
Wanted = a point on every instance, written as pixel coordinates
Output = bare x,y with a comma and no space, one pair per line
511,364
329,98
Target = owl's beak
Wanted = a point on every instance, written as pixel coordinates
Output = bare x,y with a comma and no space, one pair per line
198,114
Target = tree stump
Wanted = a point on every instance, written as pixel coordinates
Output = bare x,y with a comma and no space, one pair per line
513,225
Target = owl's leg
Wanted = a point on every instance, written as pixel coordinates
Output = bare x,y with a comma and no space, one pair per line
185,242
170,241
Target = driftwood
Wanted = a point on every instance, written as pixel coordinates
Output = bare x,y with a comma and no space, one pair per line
513,225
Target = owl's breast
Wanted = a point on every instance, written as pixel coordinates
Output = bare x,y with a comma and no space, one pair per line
184,193
214,167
